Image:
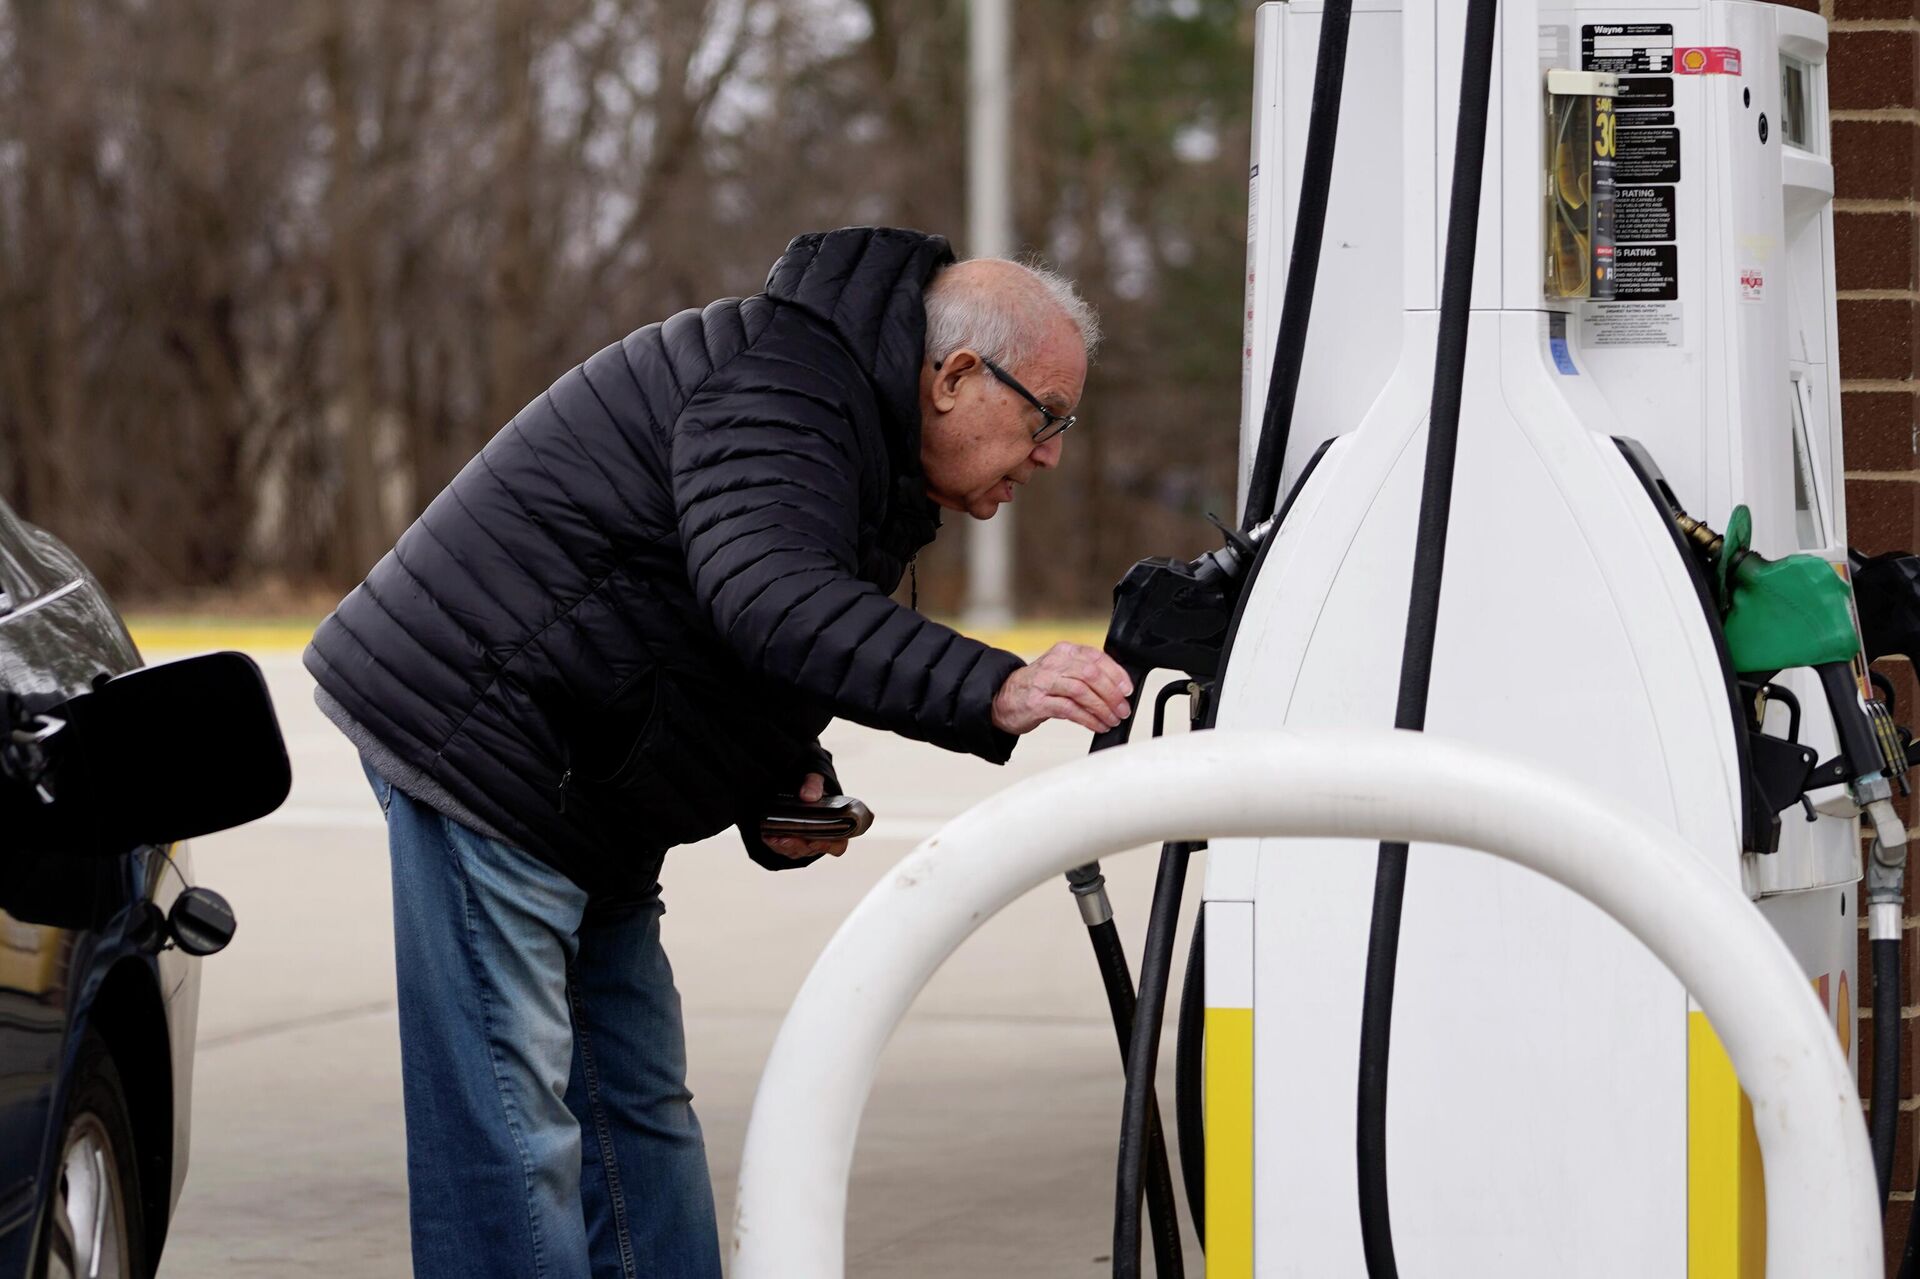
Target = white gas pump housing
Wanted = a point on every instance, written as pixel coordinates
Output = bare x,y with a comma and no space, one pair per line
790,1215
1558,1103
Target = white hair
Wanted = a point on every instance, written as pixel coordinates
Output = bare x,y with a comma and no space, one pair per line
1006,325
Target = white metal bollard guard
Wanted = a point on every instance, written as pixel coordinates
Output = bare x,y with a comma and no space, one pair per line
1821,1192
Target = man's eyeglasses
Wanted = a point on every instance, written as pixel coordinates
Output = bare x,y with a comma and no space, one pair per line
1056,423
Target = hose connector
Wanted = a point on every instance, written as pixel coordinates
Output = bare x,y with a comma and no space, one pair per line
1090,893
1886,888
1874,793
1700,533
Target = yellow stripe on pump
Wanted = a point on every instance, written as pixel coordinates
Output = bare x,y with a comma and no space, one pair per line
1726,1196
1229,1073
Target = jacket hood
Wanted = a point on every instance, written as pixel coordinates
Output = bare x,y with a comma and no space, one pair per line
866,284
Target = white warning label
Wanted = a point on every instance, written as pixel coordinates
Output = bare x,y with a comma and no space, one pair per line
1614,324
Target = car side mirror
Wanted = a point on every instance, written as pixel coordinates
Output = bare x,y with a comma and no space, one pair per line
159,754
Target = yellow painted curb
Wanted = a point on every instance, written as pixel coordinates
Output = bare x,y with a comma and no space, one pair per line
1032,638
199,635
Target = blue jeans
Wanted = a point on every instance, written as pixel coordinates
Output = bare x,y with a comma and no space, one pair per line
550,1133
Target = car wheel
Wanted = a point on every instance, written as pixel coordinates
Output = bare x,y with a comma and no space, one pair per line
94,1228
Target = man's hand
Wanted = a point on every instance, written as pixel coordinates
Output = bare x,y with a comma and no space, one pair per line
812,791
1070,681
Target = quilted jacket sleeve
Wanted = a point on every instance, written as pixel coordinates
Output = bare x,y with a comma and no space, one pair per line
767,487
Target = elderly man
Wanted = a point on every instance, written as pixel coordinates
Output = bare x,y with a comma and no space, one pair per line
622,628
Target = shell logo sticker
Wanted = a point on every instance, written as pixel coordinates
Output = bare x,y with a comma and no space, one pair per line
1716,59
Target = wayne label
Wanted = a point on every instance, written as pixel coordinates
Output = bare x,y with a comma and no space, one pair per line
1627,46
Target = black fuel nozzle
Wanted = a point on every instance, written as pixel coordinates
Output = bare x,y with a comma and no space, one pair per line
1121,733
1886,598
1876,763
1175,615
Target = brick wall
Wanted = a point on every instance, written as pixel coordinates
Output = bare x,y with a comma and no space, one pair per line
1873,70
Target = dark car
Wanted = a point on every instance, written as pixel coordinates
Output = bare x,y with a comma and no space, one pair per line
106,767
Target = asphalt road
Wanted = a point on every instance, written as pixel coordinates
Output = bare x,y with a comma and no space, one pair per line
987,1147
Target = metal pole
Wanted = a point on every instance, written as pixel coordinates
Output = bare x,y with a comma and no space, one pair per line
989,235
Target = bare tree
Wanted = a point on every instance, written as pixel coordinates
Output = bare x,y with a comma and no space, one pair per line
269,276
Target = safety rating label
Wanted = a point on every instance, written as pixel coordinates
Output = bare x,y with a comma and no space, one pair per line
1646,272
1642,214
1623,324
1627,47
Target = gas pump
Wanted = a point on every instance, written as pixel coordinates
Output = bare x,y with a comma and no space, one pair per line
1651,344
1546,467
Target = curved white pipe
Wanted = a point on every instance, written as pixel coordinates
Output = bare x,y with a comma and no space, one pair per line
1821,1191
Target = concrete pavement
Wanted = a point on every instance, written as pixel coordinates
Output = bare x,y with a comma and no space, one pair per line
988,1145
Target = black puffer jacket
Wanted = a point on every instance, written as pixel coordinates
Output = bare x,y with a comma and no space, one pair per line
624,624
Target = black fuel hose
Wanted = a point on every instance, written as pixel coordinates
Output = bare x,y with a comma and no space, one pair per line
1168,1256
1138,1104
1423,612
1316,179
1885,1110
1263,487
1089,884
1189,1117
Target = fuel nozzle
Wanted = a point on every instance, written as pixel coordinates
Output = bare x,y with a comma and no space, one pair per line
1175,614
1872,772
1887,862
1797,611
